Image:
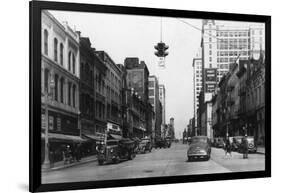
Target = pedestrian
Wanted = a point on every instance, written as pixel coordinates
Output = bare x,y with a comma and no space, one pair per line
245,147
227,147
67,155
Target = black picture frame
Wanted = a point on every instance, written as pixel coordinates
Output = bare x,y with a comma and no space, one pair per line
35,9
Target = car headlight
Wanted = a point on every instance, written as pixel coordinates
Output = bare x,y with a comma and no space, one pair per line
111,150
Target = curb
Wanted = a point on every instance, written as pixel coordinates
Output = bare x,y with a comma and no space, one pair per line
69,165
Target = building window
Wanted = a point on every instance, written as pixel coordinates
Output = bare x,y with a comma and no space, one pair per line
210,52
56,49
210,39
210,46
73,96
210,59
61,54
46,80
46,42
69,93
69,61
151,92
73,63
61,90
56,87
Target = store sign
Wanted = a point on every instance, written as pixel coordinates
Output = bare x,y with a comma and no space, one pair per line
210,87
113,127
43,121
210,75
210,79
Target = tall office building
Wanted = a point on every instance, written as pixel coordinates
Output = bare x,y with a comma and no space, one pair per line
153,90
222,43
162,98
197,84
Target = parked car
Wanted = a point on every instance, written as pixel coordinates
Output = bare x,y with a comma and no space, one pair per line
184,140
214,144
220,142
116,150
237,140
168,142
145,145
160,143
199,148
252,148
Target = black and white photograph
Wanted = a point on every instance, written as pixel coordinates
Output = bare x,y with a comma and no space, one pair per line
134,96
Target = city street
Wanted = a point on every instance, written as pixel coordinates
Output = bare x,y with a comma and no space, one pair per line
160,162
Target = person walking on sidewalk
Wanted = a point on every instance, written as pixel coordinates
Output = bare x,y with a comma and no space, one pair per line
245,147
227,147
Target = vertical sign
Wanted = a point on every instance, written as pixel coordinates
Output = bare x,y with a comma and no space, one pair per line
210,79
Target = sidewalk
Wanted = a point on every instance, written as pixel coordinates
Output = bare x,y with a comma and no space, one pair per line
61,165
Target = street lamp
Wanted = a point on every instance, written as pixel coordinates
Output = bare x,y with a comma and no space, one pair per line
46,163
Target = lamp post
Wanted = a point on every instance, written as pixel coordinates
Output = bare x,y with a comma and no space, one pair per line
46,163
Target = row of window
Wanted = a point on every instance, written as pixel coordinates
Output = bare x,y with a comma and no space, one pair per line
64,92
87,74
233,34
60,47
233,53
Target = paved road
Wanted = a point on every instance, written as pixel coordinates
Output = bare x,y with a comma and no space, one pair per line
160,162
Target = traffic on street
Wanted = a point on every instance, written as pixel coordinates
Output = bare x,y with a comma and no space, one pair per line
159,162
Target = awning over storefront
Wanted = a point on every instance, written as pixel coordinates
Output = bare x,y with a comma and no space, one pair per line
63,137
118,137
94,137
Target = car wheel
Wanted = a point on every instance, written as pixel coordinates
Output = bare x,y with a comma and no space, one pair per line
190,158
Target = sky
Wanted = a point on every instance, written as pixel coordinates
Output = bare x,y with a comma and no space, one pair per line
122,36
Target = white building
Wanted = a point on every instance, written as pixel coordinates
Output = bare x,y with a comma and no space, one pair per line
197,83
60,73
162,98
223,43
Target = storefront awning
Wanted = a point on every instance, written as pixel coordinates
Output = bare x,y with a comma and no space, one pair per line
118,137
63,137
94,137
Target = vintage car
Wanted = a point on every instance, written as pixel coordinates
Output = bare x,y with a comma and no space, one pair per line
252,148
220,142
160,143
236,143
168,142
114,150
145,145
199,148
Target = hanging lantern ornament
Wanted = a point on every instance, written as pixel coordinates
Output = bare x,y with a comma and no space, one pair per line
161,48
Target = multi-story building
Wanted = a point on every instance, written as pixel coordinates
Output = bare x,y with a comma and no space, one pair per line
113,85
222,44
153,90
100,70
60,72
137,80
171,128
197,84
162,98
238,106
87,88
255,99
